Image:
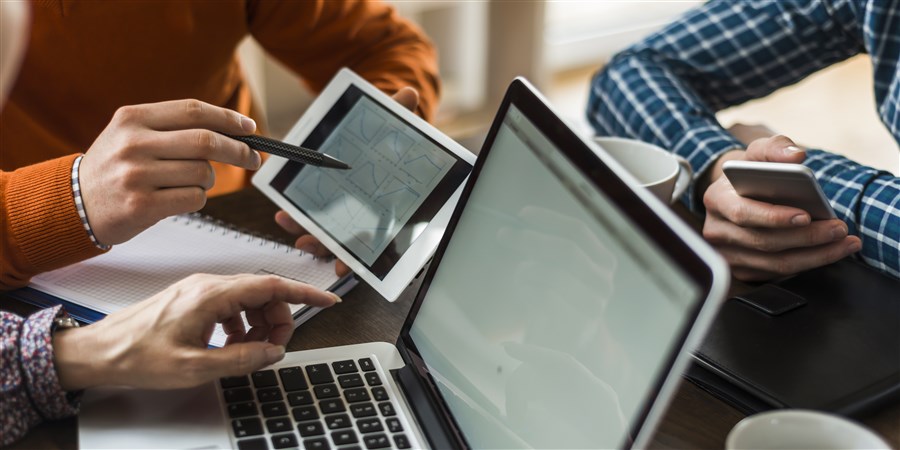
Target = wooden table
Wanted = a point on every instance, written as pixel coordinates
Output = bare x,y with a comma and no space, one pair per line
695,419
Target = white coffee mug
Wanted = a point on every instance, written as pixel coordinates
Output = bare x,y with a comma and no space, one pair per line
665,174
801,429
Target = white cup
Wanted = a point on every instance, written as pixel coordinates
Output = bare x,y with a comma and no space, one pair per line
800,429
665,174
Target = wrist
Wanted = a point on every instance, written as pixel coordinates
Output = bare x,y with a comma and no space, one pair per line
79,359
715,171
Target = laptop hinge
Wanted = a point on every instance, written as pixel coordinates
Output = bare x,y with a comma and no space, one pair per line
433,426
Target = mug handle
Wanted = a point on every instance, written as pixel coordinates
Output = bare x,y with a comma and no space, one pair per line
685,175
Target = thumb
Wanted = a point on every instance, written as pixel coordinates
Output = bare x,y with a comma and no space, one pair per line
779,149
238,359
408,97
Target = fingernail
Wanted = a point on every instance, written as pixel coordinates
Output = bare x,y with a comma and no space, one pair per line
335,297
854,247
838,232
800,220
248,124
792,149
257,159
309,248
274,353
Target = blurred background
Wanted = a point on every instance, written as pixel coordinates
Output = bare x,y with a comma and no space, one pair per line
559,45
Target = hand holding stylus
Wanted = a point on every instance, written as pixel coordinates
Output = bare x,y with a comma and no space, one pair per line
153,161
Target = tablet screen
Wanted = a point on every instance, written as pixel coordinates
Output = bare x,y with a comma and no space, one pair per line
399,179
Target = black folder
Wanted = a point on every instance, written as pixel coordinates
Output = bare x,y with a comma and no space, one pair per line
827,339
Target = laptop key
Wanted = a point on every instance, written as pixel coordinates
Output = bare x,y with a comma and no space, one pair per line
304,413
316,444
379,394
246,427
401,441
376,441
366,364
279,425
284,440
274,409
326,391
362,410
243,409
253,444
319,374
308,429
272,394
264,378
373,379
346,366
369,425
332,406
300,398
292,379
387,409
233,382
350,381
356,395
344,437
393,425
338,421
238,395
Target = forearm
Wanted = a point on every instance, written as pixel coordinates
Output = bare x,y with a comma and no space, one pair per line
637,97
41,227
31,391
868,200
667,88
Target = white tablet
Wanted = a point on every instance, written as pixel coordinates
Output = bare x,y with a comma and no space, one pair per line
385,216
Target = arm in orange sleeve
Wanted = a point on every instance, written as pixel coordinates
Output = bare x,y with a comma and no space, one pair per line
317,38
41,227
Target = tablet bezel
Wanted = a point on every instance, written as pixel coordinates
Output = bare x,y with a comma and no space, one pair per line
414,258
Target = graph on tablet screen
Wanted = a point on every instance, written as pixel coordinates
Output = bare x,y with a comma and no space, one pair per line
394,168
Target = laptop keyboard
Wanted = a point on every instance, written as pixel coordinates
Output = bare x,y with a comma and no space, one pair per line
342,404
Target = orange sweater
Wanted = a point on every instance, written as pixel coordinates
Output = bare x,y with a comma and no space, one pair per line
87,59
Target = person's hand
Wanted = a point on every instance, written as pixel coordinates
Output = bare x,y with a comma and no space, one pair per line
161,343
409,99
152,161
762,241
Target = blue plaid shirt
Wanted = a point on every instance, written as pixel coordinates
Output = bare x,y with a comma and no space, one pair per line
667,88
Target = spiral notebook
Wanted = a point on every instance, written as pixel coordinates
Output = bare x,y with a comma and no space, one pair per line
171,250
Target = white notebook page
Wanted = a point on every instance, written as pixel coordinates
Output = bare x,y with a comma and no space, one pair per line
171,250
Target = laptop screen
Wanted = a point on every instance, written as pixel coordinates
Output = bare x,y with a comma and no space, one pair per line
551,318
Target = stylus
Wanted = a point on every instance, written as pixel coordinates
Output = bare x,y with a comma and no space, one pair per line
291,152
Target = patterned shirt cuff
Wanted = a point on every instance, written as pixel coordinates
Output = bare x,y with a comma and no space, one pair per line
79,204
50,400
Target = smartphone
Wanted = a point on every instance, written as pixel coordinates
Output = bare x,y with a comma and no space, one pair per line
780,184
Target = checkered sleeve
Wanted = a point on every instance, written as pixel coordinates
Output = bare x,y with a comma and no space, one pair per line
667,88
868,200
29,387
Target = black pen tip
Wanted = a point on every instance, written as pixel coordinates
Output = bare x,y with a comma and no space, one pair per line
334,163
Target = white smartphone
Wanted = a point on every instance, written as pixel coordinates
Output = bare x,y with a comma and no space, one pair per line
780,184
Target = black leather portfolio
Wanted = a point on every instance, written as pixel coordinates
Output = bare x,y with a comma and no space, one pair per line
827,339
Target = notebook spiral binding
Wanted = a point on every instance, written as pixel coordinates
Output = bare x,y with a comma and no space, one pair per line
212,225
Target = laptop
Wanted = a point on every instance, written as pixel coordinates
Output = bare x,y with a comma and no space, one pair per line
558,312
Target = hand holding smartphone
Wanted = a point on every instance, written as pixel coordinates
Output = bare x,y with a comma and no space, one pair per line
780,184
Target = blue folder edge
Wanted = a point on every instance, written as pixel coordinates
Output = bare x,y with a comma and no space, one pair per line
87,315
